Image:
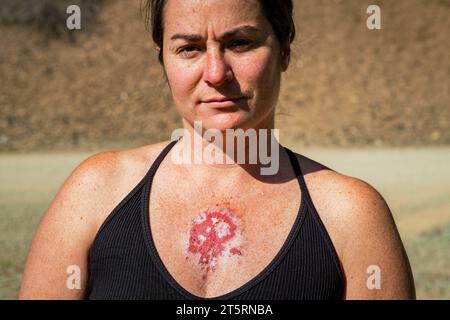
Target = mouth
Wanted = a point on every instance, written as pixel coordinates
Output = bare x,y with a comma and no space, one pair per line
220,103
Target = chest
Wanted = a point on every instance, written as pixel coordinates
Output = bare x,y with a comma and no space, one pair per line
215,241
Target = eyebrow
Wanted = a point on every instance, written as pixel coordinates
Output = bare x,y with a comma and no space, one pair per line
228,34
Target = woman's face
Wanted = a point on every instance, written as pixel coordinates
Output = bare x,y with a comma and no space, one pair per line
216,50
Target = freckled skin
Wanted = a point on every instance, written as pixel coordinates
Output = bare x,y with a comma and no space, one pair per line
215,68
214,235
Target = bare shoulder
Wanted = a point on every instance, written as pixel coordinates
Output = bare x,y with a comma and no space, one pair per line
333,189
69,225
336,197
335,194
362,229
107,177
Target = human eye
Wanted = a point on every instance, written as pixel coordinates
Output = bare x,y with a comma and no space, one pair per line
188,51
240,44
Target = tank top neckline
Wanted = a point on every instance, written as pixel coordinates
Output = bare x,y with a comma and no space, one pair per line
266,271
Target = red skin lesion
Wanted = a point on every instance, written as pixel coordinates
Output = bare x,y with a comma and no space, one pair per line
236,251
215,234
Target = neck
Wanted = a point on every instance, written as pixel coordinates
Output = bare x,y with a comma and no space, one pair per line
250,149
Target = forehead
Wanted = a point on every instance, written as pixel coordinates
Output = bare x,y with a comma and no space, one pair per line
198,16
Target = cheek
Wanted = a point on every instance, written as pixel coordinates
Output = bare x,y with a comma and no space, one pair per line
182,84
259,73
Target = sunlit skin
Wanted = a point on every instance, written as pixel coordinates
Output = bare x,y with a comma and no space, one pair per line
226,59
222,49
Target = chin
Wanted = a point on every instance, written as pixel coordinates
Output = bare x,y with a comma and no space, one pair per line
222,122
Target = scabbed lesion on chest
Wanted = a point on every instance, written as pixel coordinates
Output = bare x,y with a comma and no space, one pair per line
212,246
204,249
213,239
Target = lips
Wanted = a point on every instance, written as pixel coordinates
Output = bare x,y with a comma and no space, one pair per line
223,102
221,99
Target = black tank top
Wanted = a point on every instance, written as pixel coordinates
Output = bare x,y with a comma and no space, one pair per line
124,263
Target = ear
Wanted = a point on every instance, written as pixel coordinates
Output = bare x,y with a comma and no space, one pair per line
157,48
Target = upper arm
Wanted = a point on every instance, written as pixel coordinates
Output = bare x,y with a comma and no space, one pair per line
61,244
374,259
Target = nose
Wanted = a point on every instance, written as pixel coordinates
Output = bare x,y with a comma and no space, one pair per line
217,70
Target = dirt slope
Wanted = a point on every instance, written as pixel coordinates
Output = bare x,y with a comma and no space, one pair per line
347,85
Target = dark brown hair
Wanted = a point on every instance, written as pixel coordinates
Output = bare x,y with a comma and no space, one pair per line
278,12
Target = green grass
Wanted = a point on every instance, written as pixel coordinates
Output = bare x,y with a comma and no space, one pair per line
18,221
429,255
28,183
415,183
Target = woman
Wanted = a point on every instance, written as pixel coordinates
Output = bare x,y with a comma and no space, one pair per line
136,225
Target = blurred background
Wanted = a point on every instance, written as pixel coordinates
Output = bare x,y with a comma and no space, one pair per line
373,104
